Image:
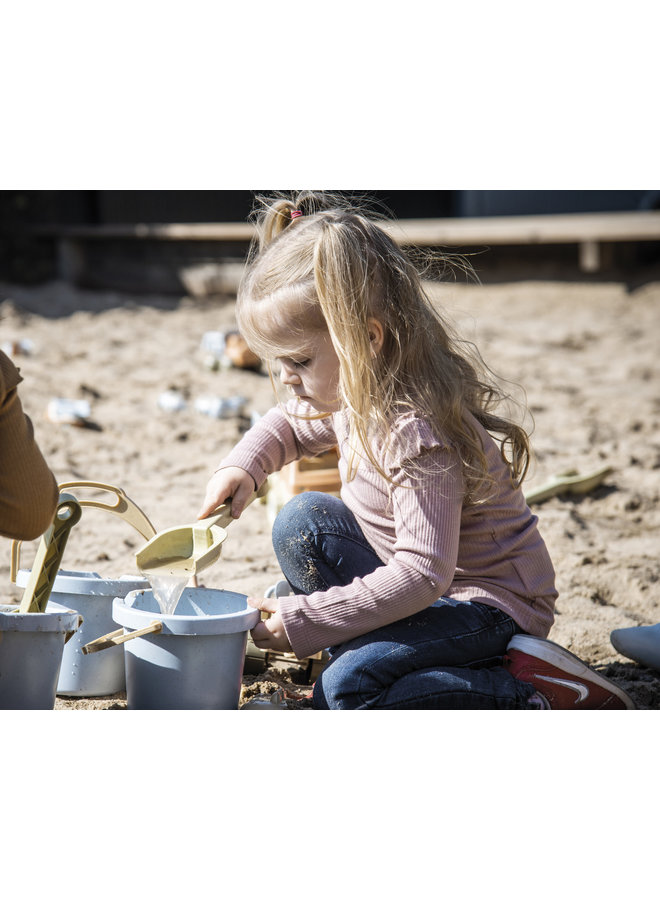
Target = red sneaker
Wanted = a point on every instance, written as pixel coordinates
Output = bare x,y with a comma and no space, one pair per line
563,679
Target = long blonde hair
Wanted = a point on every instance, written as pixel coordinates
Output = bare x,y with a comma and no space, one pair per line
331,269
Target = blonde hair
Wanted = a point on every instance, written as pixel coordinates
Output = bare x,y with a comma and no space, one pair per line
333,268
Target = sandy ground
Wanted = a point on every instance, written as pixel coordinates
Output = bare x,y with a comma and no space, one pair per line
586,355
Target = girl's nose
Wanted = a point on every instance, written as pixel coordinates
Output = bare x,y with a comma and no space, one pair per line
289,375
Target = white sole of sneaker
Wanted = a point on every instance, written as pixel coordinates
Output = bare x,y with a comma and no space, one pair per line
567,661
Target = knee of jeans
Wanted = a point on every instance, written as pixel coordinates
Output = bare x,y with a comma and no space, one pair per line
345,684
329,688
295,514
295,519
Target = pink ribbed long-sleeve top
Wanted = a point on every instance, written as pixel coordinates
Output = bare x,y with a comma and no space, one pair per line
430,543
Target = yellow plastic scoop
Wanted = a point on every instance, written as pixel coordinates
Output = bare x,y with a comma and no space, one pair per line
186,550
183,550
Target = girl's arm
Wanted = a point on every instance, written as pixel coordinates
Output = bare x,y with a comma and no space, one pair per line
274,441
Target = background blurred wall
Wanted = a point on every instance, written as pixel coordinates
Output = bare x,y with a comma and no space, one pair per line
155,266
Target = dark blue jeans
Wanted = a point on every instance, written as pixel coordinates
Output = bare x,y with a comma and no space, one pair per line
447,656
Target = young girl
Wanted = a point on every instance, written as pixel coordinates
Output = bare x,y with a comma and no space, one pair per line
430,565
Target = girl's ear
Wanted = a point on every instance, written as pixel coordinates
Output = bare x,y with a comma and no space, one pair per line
376,336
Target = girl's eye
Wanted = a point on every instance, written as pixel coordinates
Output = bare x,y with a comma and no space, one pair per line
300,363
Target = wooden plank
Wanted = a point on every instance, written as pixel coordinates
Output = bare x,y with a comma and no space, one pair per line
570,228
195,231
552,229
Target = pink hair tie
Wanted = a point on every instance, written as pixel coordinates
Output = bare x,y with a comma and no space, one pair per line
295,213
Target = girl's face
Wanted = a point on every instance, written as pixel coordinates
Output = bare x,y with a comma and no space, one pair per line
312,373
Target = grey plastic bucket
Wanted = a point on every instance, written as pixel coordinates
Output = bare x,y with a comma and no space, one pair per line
98,674
196,661
31,646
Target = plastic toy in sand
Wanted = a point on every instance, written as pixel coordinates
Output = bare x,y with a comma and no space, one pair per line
640,643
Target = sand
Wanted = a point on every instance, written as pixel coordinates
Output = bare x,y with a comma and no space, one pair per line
585,353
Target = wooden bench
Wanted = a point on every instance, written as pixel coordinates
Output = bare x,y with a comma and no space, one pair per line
587,230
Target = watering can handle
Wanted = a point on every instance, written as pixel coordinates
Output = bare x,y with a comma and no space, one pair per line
124,507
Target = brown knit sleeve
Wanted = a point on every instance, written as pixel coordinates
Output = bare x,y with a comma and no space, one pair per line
28,489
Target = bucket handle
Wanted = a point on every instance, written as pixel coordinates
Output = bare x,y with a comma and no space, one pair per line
124,507
118,637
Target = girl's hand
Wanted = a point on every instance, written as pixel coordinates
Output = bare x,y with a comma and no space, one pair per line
269,634
232,482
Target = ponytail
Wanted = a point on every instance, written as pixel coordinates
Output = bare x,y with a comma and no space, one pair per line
276,219
274,214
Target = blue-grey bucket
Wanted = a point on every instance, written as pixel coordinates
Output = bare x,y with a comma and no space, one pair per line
98,674
196,661
31,646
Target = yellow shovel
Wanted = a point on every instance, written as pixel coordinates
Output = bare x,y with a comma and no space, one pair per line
186,550
570,482
49,555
